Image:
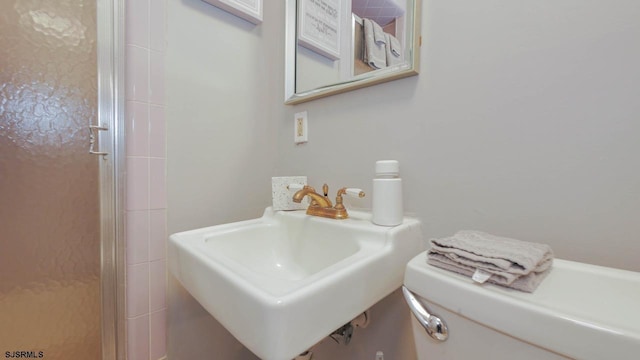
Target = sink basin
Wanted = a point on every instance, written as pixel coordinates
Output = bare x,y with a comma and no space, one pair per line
283,282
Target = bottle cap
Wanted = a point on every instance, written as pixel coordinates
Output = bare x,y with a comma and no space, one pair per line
387,167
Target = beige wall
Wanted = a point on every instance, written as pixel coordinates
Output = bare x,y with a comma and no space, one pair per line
523,122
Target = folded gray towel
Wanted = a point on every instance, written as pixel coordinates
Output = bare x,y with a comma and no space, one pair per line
374,52
508,262
392,57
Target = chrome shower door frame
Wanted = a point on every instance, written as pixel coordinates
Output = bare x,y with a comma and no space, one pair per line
111,57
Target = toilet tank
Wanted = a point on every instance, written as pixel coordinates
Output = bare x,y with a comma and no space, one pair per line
580,311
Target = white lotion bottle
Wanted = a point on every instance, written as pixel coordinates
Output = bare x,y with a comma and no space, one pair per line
387,194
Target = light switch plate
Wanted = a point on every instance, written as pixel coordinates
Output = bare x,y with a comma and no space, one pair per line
300,128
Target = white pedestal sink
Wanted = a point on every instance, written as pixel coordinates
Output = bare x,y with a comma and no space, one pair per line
283,282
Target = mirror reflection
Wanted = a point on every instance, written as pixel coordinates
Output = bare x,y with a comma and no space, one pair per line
345,44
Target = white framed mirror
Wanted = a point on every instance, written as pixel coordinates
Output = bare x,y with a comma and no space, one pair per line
334,46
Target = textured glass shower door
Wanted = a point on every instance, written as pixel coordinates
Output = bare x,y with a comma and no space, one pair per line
50,300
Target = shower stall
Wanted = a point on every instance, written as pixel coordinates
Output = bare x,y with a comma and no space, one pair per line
61,193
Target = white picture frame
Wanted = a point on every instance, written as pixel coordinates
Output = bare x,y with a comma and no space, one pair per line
250,10
319,26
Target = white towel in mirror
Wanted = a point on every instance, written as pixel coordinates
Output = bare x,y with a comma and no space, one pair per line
375,53
378,34
393,56
396,47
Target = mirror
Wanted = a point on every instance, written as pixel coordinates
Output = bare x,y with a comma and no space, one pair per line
333,46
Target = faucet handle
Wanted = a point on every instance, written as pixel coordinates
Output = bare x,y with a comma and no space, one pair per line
295,187
353,192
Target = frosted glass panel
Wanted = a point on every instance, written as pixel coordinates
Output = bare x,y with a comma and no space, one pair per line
49,243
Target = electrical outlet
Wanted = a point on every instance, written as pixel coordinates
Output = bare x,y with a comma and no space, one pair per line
300,128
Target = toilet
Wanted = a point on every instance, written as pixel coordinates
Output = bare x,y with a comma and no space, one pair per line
579,311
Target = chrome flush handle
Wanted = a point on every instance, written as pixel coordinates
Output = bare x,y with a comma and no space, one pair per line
435,327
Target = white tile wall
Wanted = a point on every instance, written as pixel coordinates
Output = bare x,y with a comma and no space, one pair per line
146,229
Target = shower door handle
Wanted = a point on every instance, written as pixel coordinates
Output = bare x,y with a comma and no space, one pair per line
435,327
93,130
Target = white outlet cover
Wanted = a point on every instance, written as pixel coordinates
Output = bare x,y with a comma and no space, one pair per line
300,128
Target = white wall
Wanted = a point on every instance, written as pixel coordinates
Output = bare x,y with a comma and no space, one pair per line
314,70
523,123
221,141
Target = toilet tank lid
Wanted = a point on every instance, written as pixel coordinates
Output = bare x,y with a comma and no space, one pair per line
580,310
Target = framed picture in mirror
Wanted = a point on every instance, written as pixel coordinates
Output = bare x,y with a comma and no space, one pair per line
319,26
250,10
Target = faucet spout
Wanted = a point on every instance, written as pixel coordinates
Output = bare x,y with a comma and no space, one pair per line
317,199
